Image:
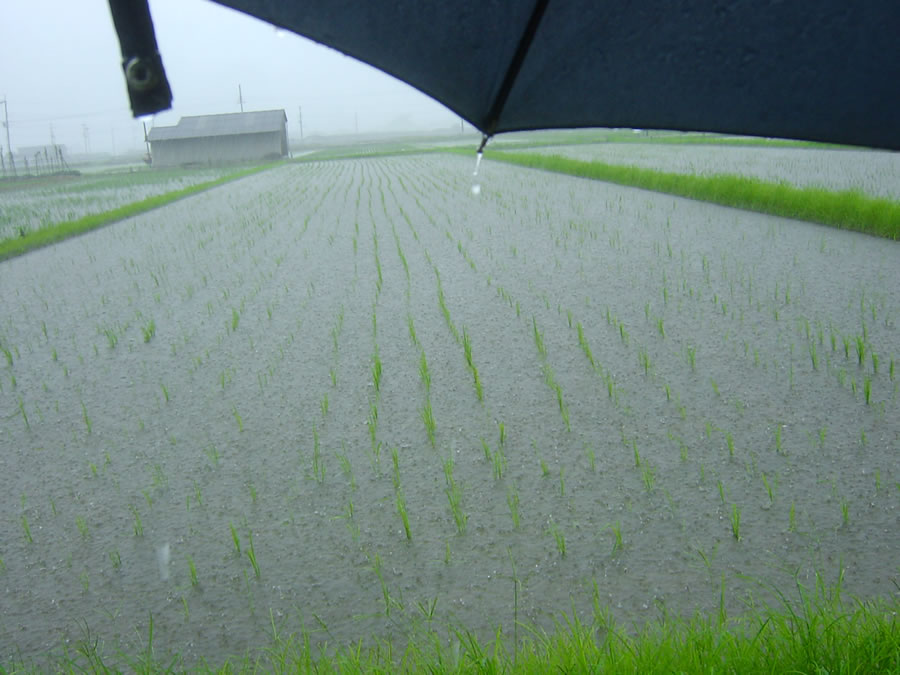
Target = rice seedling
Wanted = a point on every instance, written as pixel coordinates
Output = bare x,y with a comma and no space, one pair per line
404,516
138,525
512,500
721,491
424,373
84,416
502,428
376,371
769,488
845,512
23,413
592,457
318,465
26,528
428,419
562,481
115,559
85,580
412,330
538,339
213,454
616,529
82,525
648,476
454,497
252,489
867,389
324,404
875,361
192,568
891,370
736,522
149,330
160,480
861,349
488,455
165,392
386,596
660,328
644,360
813,355
729,440
560,538
792,518
111,338
479,390
237,418
251,554
235,319
582,341
235,539
692,357
498,461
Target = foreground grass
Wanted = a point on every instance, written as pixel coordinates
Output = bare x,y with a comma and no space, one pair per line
16,246
850,210
817,633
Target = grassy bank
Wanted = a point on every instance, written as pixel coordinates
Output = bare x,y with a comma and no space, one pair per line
850,210
816,633
16,246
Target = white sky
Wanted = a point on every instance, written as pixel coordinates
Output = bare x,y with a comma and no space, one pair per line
60,66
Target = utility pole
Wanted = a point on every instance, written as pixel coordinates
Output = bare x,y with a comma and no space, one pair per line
240,98
300,117
12,160
87,138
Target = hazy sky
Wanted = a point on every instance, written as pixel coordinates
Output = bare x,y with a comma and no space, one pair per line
60,66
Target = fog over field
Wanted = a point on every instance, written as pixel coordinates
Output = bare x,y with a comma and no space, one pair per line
60,72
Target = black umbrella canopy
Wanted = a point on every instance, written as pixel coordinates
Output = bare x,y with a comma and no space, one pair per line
822,70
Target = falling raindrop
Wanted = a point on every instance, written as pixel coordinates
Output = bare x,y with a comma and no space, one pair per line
476,187
162,559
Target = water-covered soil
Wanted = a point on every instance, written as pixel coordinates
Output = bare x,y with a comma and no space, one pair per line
873,172
715,386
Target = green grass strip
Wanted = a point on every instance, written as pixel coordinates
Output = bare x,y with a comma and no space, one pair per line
850,209
16,246
816,633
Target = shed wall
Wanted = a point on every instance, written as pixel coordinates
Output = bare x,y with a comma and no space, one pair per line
218,149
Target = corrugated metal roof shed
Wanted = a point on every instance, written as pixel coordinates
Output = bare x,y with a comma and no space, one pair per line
227,124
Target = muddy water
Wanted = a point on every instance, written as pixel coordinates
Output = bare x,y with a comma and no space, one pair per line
262,296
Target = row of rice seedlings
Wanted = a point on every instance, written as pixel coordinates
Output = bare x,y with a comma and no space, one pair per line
467,351
445,311
549,377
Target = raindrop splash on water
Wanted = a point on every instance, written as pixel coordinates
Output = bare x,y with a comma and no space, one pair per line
162,559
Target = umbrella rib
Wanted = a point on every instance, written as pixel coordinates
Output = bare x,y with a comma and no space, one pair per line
515,65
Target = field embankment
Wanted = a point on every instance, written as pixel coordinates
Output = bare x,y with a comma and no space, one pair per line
851,209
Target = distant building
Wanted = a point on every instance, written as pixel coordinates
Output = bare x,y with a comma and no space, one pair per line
220,139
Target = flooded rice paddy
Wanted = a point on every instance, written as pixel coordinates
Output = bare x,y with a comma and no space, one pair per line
348,397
